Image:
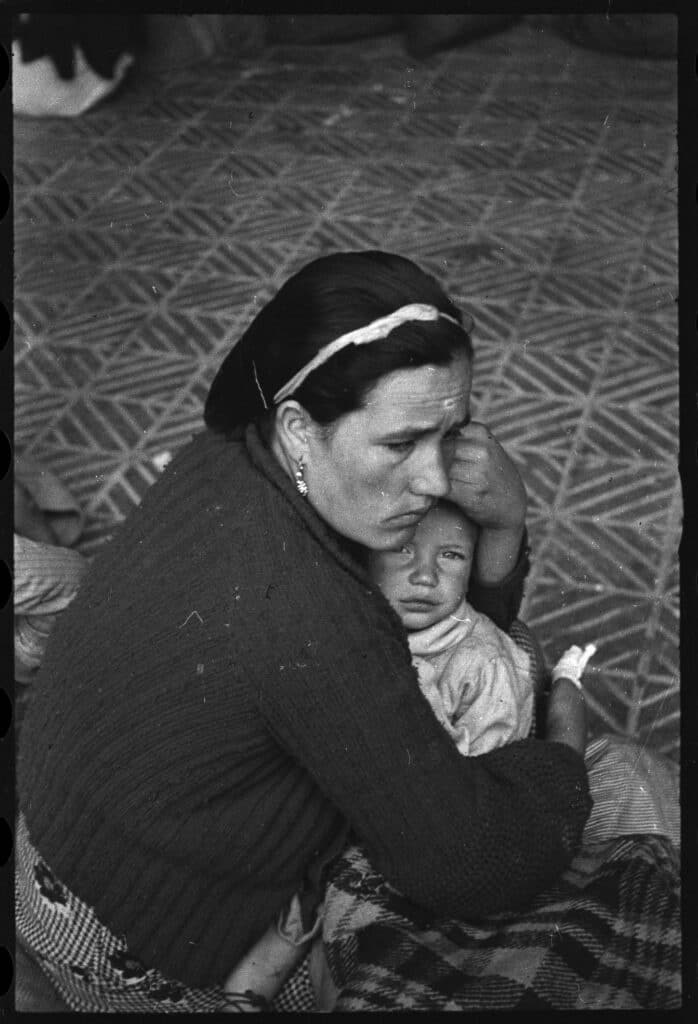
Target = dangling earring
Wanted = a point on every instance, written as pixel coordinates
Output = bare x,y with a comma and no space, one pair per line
301,485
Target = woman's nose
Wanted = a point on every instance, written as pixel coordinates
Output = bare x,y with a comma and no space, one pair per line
431,476
423,573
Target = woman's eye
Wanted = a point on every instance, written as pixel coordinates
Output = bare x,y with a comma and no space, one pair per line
458,555
402,447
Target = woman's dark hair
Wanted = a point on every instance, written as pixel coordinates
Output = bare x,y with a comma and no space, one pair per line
329,297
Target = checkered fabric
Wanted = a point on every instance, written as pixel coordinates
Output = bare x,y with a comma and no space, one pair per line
91,968
605,936
298,994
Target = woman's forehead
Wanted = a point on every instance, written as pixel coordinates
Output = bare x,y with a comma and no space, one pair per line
421,396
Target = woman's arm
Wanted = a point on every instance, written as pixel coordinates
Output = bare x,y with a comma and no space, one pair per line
463,837
501,601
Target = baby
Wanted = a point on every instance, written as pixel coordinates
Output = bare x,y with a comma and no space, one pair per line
480,685
477,680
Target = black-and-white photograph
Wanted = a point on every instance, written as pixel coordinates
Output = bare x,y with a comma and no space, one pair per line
347,512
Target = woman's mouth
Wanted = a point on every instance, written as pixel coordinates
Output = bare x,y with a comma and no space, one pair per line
408,518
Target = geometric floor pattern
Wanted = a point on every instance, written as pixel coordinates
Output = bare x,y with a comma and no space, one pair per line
535,178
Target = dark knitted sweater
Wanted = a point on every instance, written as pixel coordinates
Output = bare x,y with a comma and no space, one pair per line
225,697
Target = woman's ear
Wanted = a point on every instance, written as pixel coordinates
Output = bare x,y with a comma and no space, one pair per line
291,426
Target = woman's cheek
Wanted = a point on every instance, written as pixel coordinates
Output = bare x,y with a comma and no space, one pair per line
379,470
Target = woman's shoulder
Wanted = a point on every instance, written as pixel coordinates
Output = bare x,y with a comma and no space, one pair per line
206,454
246,521
192,517
209,470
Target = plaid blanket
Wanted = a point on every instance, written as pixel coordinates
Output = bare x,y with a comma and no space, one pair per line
605,936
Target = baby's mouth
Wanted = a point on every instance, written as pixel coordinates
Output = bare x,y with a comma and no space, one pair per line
418,604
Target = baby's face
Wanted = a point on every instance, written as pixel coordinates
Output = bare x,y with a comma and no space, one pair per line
426,578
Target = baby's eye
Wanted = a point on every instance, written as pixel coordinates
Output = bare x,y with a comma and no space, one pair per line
458,555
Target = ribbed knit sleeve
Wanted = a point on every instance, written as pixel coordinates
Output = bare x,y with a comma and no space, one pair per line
461,836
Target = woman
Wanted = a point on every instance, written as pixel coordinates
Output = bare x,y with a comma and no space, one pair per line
229,695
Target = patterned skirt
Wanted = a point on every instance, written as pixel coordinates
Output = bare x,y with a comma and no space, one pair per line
93,970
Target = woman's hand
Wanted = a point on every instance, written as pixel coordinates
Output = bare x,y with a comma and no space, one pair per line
486,484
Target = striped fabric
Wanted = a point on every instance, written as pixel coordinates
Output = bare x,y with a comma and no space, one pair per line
634,790
47,576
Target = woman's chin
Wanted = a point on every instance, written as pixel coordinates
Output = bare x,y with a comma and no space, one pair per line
391,536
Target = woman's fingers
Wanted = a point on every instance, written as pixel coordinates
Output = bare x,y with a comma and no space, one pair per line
475,428
484,480
474,442
478,453
471,470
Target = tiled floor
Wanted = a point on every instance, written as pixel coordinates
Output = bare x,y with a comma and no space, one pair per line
537,180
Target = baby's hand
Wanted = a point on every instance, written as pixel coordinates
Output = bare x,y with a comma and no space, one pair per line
572,664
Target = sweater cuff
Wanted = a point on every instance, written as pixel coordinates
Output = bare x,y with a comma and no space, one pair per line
501,601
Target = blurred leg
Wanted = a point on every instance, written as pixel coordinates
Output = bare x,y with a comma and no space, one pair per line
34,993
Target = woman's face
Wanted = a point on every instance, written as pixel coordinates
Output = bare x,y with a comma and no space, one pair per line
379,469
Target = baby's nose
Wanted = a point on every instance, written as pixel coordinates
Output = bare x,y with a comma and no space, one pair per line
423,574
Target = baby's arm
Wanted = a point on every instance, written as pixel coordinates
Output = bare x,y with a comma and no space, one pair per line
566,717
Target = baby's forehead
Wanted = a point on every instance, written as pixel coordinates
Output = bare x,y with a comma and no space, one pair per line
447,520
